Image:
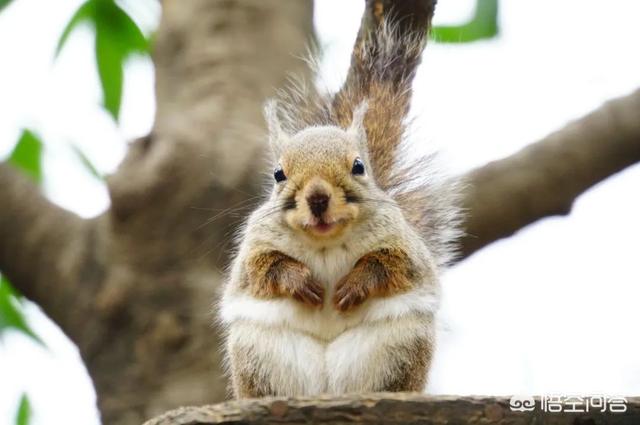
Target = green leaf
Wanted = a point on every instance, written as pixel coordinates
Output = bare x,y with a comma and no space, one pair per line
23,416
27,155
117,37
4,3
123,31
87,163
84,14
10,315
484,24
110,62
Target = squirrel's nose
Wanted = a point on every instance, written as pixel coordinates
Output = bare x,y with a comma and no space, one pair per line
318,203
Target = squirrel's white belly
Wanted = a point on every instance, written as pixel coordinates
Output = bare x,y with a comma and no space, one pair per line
358,360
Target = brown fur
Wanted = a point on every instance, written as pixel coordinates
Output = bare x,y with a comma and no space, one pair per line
384,123
381,273
273,274
414,360
245,378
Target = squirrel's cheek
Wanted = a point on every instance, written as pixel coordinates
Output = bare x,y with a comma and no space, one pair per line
347,212
346,215
294,219
355,211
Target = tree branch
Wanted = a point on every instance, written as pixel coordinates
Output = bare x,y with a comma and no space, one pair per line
545,178
42,246
387,409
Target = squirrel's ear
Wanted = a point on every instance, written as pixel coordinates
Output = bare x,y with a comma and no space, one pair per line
277,137
357,123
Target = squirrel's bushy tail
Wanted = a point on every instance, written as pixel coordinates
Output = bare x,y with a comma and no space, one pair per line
384,62
383,65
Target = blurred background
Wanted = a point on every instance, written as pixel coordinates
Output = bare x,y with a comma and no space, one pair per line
553,309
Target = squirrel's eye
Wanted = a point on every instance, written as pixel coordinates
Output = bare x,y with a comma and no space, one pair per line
358,167
279,175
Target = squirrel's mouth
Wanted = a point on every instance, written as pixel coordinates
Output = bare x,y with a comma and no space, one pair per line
323,227
320,226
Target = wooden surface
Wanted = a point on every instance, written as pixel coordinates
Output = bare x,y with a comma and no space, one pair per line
388,408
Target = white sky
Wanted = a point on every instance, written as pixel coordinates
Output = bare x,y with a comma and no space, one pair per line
553,309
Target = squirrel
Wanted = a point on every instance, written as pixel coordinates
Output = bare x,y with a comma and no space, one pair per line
335,282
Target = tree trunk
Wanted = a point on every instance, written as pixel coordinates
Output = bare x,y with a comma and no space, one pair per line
216,62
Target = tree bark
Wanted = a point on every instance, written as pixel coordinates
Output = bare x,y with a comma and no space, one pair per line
44,249
388,409
216,62
134,288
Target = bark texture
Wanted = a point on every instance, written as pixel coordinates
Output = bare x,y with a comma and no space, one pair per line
134,288
387,409
216,63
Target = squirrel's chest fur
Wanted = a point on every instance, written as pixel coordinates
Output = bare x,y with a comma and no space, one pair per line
328,266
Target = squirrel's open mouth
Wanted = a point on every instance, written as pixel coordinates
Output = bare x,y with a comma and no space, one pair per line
322,227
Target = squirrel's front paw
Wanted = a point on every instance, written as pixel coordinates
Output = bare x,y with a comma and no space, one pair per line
301,286
351,291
